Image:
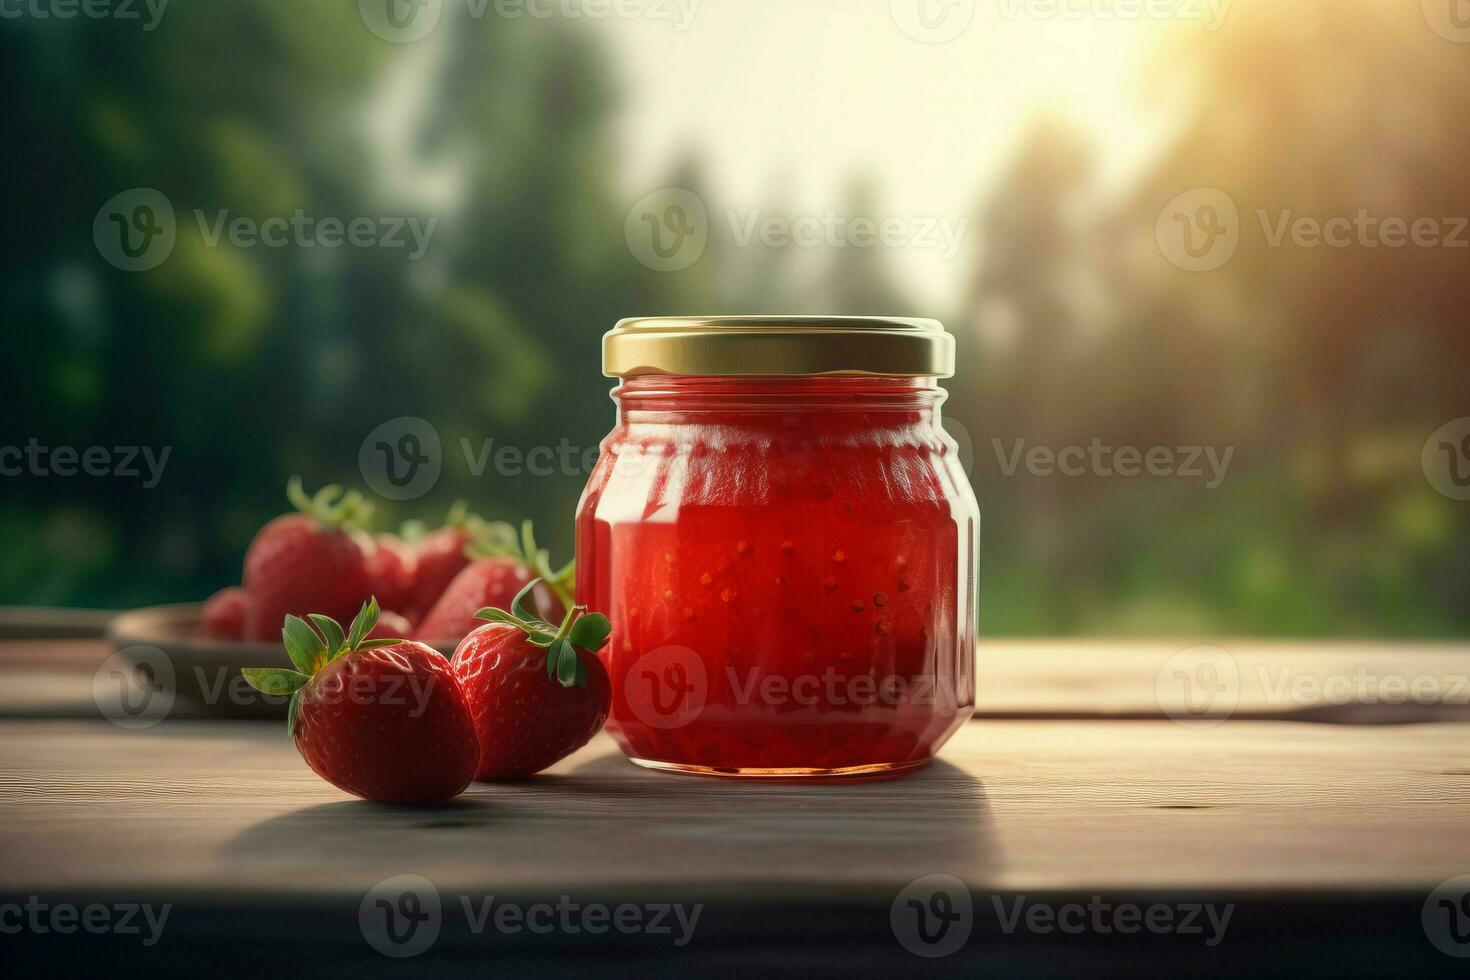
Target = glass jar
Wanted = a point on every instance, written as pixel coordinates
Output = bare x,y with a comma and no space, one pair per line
786,544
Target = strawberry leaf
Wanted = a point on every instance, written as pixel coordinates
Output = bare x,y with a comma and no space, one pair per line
566,664
292,712
590,632
330,629
492,615
333,509
363,623
274,680
303,645
520,605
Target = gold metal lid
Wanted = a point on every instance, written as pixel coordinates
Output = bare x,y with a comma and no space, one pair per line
777,345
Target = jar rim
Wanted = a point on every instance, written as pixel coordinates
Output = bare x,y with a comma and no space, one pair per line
778,345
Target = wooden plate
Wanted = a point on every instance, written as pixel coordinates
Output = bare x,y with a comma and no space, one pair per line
169,645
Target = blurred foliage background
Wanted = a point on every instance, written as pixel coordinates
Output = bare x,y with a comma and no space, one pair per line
1326,369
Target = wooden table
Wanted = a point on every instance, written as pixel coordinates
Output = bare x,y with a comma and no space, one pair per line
1319,826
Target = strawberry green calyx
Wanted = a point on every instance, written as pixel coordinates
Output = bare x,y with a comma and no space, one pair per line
579,630
498,539
311,647
333,508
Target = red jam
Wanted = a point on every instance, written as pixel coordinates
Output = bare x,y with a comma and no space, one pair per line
788,563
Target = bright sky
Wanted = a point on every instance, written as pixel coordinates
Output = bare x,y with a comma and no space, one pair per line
802,95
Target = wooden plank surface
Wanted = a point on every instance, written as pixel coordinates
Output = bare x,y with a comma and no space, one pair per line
1065,805
1325,823
1329,681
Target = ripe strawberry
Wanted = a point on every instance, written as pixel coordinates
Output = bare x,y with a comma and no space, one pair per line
503,566
223,616
536,691
391,564
312,560
386,720
438,557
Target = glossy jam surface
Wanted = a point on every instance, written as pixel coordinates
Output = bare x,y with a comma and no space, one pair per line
789,568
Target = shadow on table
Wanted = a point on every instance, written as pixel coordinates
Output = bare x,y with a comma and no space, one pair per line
612,822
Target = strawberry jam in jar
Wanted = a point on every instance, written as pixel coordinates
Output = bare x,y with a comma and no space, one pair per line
785,542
